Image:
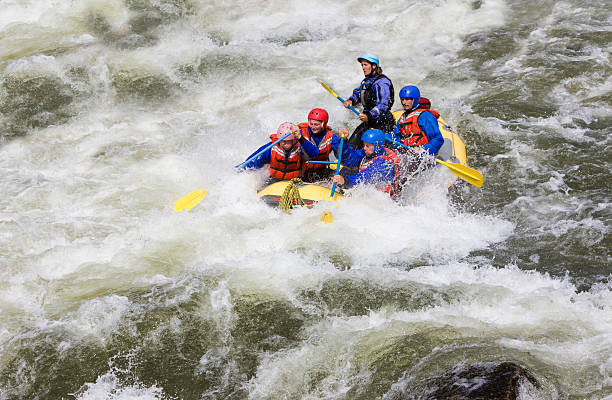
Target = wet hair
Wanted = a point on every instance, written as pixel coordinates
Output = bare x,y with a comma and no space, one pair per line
376,69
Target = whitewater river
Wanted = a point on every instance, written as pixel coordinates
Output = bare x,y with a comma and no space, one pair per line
111,110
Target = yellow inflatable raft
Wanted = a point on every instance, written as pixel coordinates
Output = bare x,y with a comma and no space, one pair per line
309,193
452,150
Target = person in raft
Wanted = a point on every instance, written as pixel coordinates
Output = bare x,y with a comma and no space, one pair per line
286,158
377,164
376,95
418,128
317,132
418,125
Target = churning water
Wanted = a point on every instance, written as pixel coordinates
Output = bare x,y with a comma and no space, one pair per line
110,110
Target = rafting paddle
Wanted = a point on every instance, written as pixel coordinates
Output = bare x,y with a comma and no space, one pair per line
260,152
462,171
338,165
338,97
190,200
328,216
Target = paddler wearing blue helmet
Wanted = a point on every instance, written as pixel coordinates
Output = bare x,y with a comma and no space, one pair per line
418,125
377,164
376,95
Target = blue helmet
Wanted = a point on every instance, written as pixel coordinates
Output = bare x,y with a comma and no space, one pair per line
376,137
370,57
411,92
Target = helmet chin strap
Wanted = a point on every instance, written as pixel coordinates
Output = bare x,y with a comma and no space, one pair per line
376,150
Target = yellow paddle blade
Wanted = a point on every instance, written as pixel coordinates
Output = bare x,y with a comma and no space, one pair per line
327,217
189,201
464,172
328,89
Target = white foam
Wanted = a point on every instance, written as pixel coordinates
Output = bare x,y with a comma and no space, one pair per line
108,386
99,317
87,205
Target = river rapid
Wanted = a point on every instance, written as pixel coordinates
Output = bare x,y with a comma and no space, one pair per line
111,110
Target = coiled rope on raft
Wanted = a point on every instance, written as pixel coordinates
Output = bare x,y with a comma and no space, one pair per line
291,195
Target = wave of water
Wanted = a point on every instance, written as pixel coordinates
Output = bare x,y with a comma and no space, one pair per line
110,111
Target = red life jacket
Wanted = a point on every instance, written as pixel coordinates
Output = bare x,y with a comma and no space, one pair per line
286,167
424,103
410,132
391,157
325,146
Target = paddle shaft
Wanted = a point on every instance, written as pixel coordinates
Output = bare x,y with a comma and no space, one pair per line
268,147
338,166
463,171
338,97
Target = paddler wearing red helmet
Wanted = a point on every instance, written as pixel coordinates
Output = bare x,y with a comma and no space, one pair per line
319,133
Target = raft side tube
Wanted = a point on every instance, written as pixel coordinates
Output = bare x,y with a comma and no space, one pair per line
310,193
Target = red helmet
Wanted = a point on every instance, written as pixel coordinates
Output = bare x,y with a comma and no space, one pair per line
320,115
